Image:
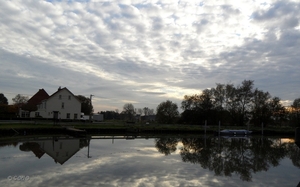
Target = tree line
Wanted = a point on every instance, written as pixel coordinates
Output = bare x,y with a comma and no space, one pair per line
232,105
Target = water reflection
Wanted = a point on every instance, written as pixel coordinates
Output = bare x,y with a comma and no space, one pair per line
60,149
225,156
128,160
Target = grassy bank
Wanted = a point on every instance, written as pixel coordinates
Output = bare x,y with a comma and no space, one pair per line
32,127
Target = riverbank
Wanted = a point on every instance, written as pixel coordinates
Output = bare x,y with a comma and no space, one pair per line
31,128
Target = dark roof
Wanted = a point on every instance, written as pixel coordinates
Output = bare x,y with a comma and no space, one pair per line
38,97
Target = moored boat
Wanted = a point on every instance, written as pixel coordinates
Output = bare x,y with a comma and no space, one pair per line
229,132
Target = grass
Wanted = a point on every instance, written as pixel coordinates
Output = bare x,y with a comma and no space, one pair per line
120,125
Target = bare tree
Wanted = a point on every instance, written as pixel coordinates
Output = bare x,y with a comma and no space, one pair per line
20,100
128,109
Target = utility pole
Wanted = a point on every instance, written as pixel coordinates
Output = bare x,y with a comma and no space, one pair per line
90,118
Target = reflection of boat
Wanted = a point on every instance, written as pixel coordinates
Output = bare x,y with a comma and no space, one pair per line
228,132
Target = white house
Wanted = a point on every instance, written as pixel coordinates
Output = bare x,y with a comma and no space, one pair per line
62,104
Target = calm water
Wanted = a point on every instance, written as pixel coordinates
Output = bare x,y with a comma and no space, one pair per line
164,161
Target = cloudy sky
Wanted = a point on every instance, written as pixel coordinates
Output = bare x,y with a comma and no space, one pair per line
147,51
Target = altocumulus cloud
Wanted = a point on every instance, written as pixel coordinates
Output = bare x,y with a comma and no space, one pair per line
148,51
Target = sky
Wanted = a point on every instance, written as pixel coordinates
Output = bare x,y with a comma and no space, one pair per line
145,52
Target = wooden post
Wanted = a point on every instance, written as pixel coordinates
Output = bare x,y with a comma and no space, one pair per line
262,128
219,126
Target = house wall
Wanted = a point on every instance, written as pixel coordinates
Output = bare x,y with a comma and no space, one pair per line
62,101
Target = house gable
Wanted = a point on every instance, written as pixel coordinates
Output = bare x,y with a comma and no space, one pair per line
58,94
62,104
38,97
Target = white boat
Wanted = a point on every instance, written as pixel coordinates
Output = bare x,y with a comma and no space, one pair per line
235,132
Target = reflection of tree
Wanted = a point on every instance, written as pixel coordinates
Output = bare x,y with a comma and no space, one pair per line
3,144
294,154
166,145
225,157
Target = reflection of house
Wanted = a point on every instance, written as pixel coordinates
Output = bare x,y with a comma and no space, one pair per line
62,104
60,149
34,147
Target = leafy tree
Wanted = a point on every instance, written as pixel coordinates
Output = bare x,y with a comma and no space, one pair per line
167,112
151,112
296,103
86,105
198,108
244,96
128,109
277,110
19,100
260,108
231,103
296,112
3,99
140,111
219,94
146,111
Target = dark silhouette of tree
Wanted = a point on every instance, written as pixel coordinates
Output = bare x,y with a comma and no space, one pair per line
198,108
261,112
295,116
86,106
244,94
234,106
19,100
277,110
128,110
3,99
167,112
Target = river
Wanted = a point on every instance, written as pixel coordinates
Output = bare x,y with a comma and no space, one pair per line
136,161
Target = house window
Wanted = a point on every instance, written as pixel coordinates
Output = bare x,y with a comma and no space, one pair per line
69,97
62,105
59,97
68,115
37,114
23,114
75,116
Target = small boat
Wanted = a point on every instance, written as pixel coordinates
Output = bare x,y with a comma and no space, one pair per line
228,132
75,132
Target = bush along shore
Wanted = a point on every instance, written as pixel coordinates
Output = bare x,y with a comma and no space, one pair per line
13,129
